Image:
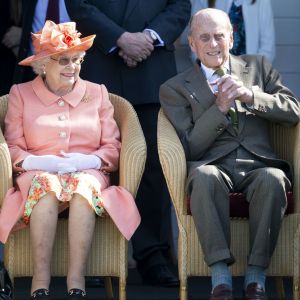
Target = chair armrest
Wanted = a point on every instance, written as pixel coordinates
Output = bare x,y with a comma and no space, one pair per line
133,150
173,162
286,142
5,167
3,110
296,165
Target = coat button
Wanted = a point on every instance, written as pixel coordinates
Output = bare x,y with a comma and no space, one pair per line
62,134
61,103
220,128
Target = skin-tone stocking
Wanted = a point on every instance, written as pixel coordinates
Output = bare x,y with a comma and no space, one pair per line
43,221
81,229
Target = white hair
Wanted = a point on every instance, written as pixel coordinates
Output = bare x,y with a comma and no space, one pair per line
210,14
38,66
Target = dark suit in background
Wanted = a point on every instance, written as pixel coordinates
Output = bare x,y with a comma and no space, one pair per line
140,85
9,61
23,74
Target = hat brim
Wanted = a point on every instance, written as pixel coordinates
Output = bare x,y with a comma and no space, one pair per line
85,44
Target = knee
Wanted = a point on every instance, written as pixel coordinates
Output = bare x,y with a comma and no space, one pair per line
203,179
79,201
273,178
79,207
205,174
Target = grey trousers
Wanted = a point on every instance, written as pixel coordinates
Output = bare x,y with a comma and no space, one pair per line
265,189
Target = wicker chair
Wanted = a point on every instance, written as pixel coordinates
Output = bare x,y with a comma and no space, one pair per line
108,256
285,260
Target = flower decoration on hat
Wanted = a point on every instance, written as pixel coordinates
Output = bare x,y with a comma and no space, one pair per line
55,37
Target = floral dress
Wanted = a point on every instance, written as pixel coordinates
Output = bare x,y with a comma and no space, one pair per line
64,186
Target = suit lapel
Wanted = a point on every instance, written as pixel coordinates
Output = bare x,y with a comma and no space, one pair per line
199,88
131,4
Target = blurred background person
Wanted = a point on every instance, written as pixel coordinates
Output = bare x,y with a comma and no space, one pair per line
133,56
10,35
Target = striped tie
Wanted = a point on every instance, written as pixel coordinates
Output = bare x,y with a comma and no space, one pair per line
232,112
220,72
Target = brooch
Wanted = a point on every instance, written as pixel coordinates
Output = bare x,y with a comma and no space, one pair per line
85,99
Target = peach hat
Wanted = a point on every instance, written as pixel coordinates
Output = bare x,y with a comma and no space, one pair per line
56,39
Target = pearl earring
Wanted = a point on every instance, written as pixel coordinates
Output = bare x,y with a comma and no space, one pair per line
44,71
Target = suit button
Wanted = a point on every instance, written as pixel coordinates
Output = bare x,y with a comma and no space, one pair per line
220,128
61,103
62,134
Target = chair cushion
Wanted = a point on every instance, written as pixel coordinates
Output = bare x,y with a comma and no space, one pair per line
239,207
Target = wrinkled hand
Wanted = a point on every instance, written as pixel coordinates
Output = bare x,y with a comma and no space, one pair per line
131,63
137,45
15,50
48,163
82,161
12,37
231,88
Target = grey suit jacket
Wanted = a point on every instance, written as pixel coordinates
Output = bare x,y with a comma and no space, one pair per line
206,133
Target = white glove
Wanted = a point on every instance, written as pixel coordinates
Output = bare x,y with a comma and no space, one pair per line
82,161
48,163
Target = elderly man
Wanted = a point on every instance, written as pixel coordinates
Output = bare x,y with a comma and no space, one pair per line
220,109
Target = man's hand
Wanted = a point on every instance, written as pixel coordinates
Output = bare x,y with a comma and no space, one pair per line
12,37
137,46
231,88
128,60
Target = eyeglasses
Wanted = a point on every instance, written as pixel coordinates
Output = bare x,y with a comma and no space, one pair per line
64,61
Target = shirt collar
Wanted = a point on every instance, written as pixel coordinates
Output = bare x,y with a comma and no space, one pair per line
238,2
48,98
208,72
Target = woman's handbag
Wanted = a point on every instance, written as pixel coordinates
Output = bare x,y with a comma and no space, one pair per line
6,289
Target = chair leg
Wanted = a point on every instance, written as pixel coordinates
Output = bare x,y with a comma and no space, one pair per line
122,289
183,295
108,288
296,288
280,288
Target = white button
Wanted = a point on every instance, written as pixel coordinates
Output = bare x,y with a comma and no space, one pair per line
62,118
62,134
61,103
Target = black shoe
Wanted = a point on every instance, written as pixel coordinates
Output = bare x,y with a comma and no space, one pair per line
40,294
94,282
76,294
221,292
160,275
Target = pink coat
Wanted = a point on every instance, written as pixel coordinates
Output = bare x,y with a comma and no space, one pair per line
38,122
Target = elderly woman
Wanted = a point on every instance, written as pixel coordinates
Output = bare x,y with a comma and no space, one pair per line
63,142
